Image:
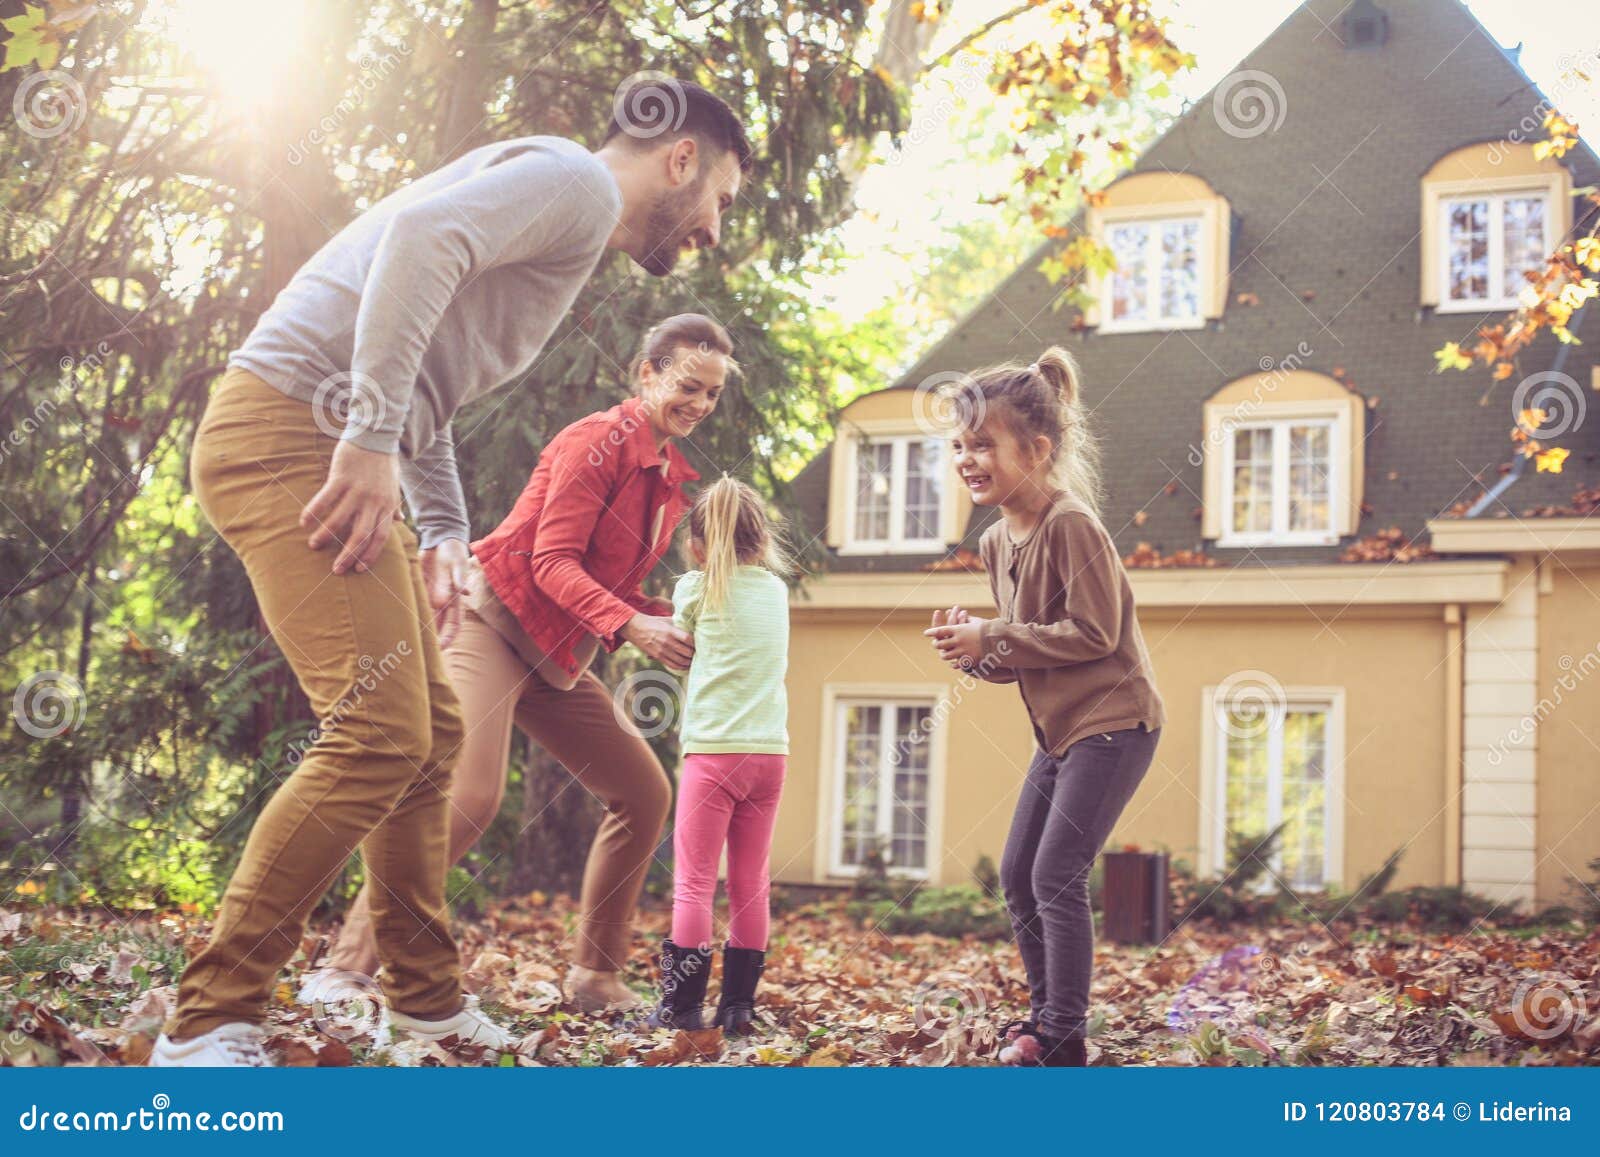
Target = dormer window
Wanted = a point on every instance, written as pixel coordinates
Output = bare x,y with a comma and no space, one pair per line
1492,213
1283,460
1156,282
892,482
897,493
1490,242
1279,483
1167,235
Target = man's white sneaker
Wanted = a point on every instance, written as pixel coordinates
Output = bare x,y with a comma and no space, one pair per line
469,1026
229,1046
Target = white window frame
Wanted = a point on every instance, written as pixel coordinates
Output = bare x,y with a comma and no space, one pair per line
1452,194
1155,322
1280,421
1214,779
896,543
837,699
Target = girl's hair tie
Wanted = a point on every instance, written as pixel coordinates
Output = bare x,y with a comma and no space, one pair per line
1033,367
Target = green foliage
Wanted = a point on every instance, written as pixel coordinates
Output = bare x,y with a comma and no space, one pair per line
1443,907
1238,894
1377,883
874,883
986,876
1237,897
1588,892
959,910
157,755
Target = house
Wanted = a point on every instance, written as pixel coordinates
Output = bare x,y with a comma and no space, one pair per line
1260,369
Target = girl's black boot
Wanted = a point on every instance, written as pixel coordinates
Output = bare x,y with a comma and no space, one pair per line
741,972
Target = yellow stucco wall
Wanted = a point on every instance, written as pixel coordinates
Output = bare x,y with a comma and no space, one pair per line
1390,665
1391,668
1568,730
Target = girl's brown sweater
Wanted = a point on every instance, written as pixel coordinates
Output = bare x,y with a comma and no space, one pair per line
1066,632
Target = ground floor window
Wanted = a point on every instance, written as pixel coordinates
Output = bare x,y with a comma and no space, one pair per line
882,783
1275,754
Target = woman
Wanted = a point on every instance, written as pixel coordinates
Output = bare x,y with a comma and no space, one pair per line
558,579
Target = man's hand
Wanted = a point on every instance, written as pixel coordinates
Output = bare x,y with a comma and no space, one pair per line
955,634
355,507
661,639
444,572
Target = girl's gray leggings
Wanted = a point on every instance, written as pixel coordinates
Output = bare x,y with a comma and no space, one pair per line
1068,807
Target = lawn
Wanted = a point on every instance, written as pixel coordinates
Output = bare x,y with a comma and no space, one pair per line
92,987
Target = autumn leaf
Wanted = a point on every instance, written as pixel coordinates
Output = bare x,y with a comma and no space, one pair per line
32,40
1450,357
1550,461
829,1056
687,1045
1563,135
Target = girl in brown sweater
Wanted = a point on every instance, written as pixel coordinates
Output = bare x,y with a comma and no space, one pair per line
1067,635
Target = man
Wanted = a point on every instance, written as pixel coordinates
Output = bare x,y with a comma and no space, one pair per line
340,399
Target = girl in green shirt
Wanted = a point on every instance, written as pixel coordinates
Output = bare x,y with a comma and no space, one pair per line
735,742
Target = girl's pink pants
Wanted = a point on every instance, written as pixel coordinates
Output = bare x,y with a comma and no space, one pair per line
733,799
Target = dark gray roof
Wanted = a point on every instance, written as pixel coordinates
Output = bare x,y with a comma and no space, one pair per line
1326,237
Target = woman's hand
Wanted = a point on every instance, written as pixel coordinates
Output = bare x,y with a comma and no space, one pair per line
661,639
956,635
444,571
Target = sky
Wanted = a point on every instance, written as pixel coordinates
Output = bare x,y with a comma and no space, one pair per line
1219,33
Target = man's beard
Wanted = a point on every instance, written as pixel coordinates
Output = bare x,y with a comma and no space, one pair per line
664,229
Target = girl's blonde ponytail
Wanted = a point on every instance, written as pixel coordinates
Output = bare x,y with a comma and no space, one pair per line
717,531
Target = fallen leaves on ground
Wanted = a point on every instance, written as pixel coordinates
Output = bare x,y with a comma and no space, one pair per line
95,988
